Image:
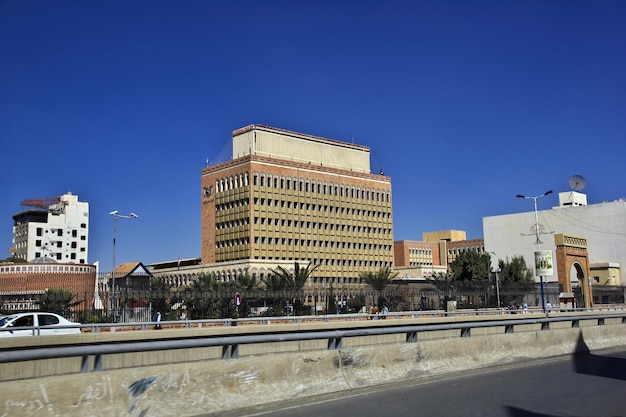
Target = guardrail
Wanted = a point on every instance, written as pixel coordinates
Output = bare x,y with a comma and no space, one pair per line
262,320
230,343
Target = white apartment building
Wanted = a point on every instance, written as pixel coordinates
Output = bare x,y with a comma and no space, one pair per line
602,226
56,228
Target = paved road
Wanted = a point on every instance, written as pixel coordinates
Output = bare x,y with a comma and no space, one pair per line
590,385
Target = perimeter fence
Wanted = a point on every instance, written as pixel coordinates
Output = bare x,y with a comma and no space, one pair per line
188,303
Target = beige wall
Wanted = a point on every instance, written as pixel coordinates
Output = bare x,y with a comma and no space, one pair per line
449,235
298,147
257,208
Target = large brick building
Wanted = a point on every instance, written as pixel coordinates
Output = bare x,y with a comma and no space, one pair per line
22,283
434,253
287,197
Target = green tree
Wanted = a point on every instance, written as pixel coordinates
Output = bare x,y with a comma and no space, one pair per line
58,300
244,285
516,270
13,259
161,297
295,282
379,280
200,297
274,286
471,266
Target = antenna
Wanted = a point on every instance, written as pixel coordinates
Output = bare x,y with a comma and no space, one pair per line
577,182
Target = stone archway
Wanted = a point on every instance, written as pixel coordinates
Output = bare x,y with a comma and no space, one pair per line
579,281
572,262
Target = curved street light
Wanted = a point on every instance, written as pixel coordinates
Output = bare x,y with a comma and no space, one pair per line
116,217
538,242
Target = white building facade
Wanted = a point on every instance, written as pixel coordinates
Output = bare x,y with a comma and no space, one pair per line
56,228
603,226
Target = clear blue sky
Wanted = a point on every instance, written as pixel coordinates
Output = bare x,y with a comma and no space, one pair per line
463,103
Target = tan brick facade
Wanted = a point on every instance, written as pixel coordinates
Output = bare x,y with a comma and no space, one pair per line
33,279
262,208
433,252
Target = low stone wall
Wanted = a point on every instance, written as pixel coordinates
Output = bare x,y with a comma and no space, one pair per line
214,386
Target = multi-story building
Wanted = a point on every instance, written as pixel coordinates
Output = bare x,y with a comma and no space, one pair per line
56,227
288,197
433,254
587,242
22,283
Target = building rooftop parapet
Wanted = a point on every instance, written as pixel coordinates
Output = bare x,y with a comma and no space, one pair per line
314,167
299,135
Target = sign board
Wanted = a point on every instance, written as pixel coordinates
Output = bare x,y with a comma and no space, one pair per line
543,263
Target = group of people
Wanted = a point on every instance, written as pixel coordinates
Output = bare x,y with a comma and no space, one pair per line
524,307
374,312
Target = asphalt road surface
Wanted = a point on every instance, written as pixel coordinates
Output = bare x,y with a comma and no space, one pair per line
589,385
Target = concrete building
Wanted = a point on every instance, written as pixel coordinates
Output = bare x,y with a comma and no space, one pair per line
22,283
287,197
56,227
433,254
588,242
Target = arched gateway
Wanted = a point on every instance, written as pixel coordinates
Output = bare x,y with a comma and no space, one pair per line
572,261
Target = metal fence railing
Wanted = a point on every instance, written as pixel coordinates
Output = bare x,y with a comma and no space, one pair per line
128,305
93,353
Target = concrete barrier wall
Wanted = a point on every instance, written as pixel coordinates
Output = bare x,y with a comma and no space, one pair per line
214,386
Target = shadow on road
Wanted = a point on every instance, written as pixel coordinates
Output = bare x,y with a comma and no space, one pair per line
518,412
587,363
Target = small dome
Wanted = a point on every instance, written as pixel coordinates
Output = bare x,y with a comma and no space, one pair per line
43,260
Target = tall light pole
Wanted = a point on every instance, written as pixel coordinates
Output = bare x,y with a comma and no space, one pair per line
116,217
538,242
497,283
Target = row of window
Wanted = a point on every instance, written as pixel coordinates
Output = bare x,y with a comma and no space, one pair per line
320,187
458,251
302,185
16,269
420,251
355,264
281,241
59,244
320,208
59,256
59,232
420,263
359,246
305,226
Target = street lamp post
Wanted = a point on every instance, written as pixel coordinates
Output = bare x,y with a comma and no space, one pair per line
497,287
538,242
497,283
116,217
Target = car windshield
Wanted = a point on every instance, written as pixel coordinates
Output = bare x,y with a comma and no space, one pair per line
4,320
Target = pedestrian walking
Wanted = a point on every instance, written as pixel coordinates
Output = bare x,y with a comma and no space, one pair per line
157,320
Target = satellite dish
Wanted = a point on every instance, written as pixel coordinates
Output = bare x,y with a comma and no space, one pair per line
577,182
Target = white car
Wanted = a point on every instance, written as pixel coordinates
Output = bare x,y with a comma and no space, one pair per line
35,323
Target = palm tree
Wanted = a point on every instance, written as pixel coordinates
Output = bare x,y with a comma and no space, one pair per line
58,300
299,277
295,281
379,280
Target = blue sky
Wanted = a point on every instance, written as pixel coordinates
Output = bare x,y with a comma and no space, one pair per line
463,103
